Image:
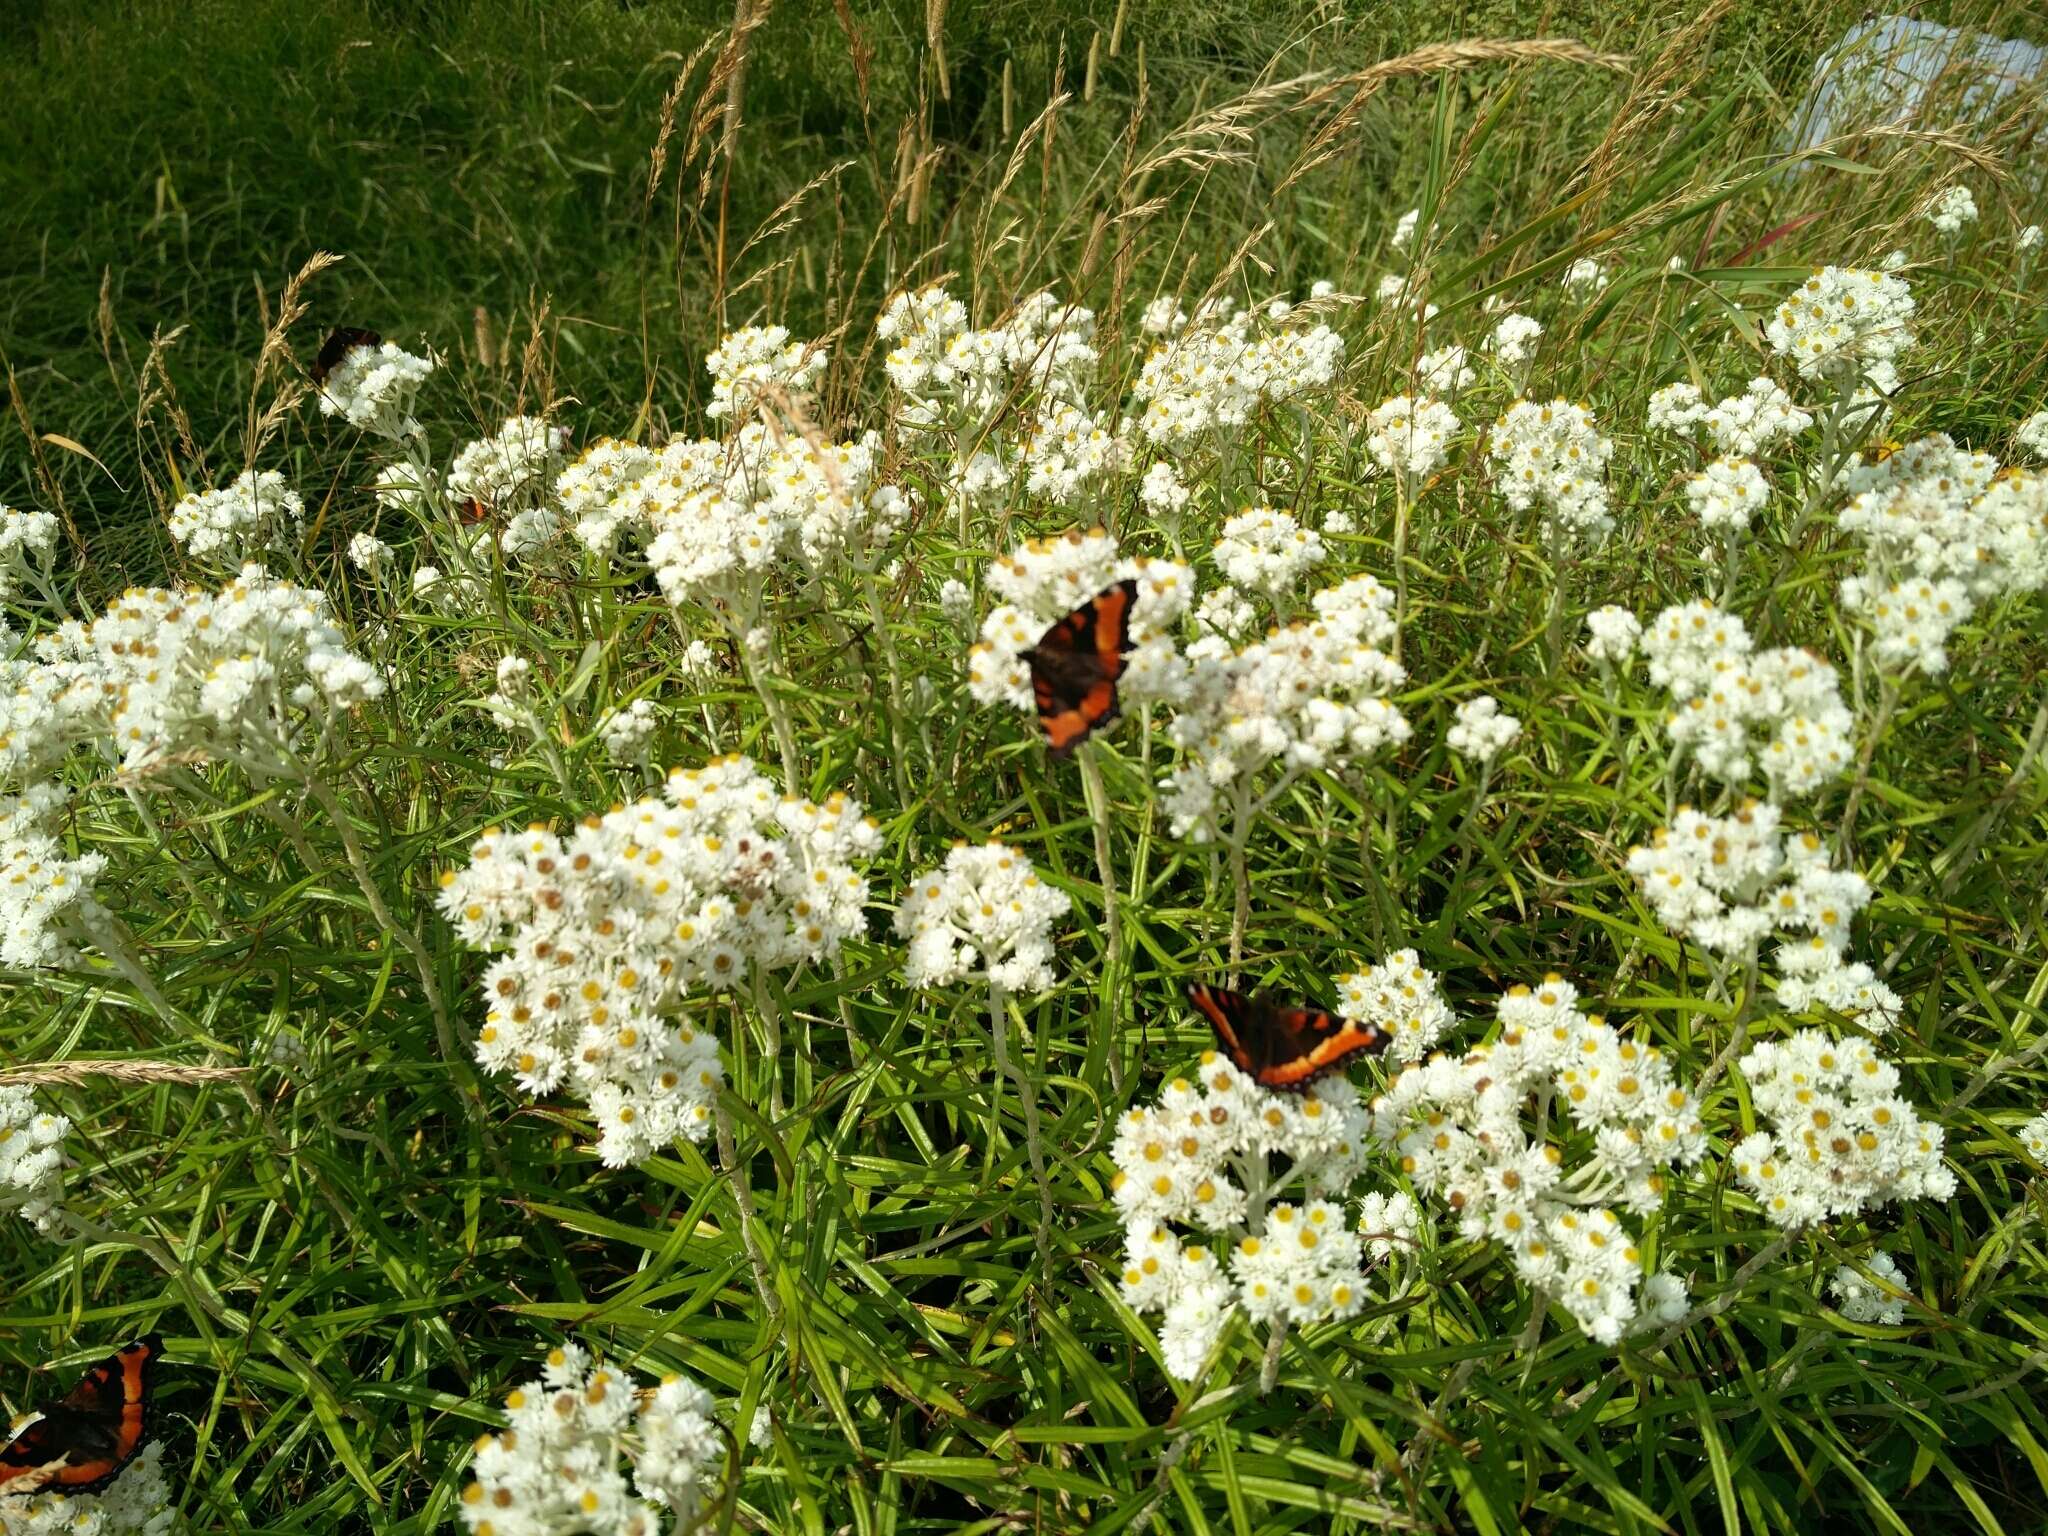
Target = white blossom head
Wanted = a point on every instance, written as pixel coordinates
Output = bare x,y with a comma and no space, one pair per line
1481,730
373,387
986,912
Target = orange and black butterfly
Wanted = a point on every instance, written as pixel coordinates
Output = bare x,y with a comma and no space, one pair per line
1075,666
82,1441
341,341
1283,1048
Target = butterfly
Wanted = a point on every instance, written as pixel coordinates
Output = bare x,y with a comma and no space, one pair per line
81,1442
341,341
1283,1048
1075,665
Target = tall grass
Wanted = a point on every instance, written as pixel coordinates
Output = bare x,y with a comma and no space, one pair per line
354,1255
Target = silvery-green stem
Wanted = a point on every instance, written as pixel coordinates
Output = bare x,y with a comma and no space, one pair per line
1097,796
743,1201
1269,1369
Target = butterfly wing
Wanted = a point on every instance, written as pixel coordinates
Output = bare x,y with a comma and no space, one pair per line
1282,1048
81,1443
1076,664
341,341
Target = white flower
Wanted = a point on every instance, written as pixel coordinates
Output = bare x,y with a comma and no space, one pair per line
1841,1139
1739,711
1842,323
1726,495
556,1467
1411,437
1584,274
1553,456
1676,408
1880,1298
240,522
986,911
627,733
1752,422
1481,731
1219,367
760,364
509,474
1162,490
1612,635
2028,239
1191,1161
164,673
137,1503
2031,436
1513,342
31,1160
1065,452
1464,1131
2034,1137
372,388
1404,229
1952,209
1389,1224
1312,695
1444,371
1267,551
1402,1000
604,933
27,539
367,552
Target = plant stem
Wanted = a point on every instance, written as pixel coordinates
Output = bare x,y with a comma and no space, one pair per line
1027,1098
743,1200
1738,1034
1887,702
1097,796
1400,559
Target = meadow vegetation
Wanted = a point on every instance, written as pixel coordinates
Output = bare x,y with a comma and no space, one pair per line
535,893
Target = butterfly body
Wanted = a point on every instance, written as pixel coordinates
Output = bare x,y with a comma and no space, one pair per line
1279,1047
81,1442
341,341
1076,664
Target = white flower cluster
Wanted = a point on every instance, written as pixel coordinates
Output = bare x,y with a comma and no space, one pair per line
1584,276
1410,438
716,517
1200,1158
1726,494
1400,999
603,933
1845,325
2034,1137
1943,530
2030,436
1729,882
1163,492
1065,452
136,1503
257,512
1880,1298
31,1160
1539,1185
627,732
1612,635
760,364
1841,1139
1553,456
2028,239
1738,710
949,372
370,554
1513,342
1739,426
1267,551
1952,209
45,894
1444,371
1310,696
1216,371
555,1468
1404,230
1480,731
508,474
372,388
167,672
984,911
27,541
1043,580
